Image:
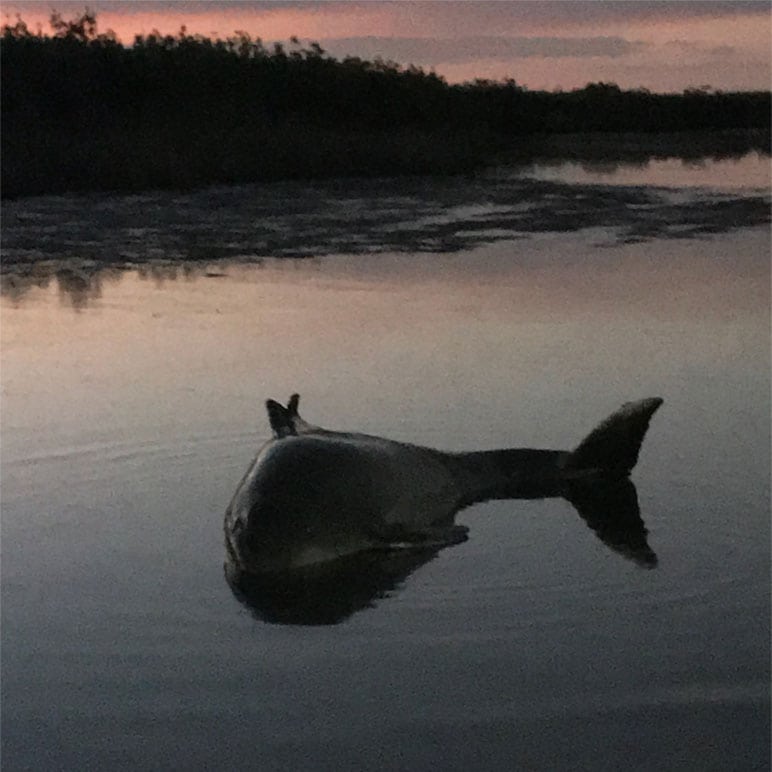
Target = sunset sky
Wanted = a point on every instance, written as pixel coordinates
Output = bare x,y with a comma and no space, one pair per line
663,46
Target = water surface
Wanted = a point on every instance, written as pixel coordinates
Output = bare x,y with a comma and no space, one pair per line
750,172
133,401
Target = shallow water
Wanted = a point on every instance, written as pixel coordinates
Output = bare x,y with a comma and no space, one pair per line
750,172
133,401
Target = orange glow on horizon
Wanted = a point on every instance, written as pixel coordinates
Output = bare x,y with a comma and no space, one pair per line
279,24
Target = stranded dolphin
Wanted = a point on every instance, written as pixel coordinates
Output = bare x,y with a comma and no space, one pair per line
312,495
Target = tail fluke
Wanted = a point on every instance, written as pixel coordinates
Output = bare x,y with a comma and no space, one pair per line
612,447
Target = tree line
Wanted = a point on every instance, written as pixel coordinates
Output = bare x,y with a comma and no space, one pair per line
81,111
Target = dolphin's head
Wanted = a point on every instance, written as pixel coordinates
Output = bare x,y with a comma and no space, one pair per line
304,500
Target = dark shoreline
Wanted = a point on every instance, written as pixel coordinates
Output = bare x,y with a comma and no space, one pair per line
82,113
315,156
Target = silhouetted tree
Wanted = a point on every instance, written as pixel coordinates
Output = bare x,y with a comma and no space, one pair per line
81,111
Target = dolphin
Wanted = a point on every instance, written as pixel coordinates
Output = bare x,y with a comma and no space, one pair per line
311,495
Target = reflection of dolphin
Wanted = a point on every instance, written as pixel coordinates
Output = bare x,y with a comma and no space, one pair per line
330,592
610,508
326,593
312,495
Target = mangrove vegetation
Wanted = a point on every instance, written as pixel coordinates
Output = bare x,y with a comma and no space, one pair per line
81,111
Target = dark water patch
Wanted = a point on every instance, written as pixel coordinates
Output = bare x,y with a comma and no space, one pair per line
611,151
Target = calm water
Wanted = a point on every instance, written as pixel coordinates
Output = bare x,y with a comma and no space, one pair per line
750,172
132,401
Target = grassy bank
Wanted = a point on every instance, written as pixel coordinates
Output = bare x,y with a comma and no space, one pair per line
83,112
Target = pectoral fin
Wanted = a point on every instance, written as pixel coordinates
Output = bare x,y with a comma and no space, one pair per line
400,537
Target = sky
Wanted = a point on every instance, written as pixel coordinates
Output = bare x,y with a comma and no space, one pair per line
541,44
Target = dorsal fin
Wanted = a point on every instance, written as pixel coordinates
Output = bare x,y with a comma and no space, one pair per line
280,419
299,425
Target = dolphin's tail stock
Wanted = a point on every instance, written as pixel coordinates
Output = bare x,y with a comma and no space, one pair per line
594,478
611,449
607,454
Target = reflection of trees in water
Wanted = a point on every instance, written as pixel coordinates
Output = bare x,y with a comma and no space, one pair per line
15,286
608,167
619,150
159,273
77,287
